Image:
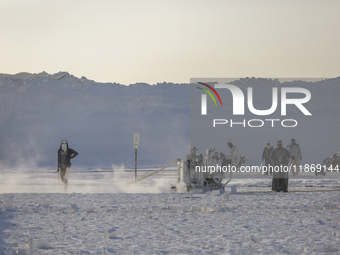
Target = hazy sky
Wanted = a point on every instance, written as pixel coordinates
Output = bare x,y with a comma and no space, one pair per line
170,40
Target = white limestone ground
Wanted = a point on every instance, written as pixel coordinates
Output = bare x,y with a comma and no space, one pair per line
165,223
172,223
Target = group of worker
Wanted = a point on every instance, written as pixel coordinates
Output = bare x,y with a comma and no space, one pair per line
294,150
279,156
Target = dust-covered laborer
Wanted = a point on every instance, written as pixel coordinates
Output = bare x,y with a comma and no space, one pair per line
295,156
267,151
336,162
65,154
280,158
234,153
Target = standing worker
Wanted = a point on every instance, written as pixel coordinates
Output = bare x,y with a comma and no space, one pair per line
234,153
266,157
65,154
280,158
336,162
295,156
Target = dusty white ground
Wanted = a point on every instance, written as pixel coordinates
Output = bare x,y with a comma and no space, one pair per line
97,216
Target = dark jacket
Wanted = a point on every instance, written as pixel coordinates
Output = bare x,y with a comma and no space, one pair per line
280,157
70,154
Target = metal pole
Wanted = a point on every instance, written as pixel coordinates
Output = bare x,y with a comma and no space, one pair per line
135,143
135,164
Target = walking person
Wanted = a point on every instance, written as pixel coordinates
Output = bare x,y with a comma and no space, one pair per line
267,151
280,158
295,157
65,154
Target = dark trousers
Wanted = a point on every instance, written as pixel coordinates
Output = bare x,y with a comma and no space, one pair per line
280,184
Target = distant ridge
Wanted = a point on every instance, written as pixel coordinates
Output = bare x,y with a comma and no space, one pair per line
98,119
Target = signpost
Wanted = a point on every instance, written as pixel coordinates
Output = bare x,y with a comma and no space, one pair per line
136,143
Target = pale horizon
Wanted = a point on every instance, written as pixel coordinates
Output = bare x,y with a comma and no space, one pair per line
128,42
